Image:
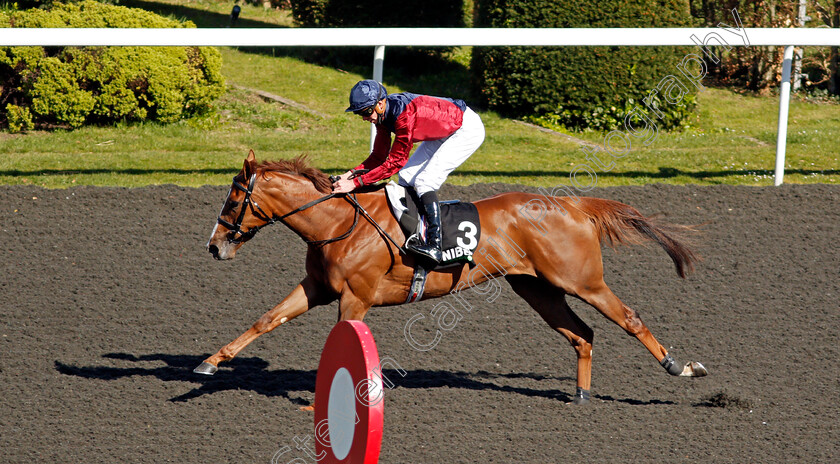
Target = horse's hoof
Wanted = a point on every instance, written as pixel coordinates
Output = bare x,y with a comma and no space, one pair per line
206,368
580,401
694,369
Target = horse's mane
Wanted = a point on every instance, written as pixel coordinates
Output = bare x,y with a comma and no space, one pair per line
299,166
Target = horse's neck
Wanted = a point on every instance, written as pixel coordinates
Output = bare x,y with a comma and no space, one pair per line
319,222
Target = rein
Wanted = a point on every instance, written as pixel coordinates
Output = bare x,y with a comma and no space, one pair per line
375,224
236,235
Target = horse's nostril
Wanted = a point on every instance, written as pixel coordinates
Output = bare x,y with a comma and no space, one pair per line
214,250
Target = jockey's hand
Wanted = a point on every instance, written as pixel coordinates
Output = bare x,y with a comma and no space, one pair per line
344,186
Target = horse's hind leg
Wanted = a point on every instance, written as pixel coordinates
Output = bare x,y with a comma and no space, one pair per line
603,299
550,303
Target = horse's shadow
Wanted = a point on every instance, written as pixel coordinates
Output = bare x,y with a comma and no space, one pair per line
240,374
253,374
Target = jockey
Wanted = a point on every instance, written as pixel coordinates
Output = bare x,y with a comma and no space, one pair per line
449,131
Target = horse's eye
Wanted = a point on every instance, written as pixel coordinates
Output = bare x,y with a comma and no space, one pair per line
234,204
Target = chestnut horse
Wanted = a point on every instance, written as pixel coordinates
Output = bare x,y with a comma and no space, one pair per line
545,247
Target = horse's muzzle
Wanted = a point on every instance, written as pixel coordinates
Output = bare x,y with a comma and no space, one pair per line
223,249
214,250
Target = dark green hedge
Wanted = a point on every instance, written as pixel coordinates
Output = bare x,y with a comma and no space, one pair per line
378,13
577,87
72,86
382,13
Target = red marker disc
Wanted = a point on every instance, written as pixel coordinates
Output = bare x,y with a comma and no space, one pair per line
349,406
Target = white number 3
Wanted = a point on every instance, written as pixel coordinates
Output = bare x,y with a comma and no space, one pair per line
469,230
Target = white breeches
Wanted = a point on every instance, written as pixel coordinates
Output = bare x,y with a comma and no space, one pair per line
431,163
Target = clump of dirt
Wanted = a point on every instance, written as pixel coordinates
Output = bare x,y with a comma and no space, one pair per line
724,400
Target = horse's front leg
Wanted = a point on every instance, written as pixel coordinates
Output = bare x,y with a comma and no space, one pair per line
304,297
351,307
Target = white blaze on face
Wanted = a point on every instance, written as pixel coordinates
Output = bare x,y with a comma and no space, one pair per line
216,227
212,234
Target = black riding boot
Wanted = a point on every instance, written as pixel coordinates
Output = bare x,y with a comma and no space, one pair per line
430,249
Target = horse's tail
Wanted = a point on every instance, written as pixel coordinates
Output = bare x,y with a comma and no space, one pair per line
618,223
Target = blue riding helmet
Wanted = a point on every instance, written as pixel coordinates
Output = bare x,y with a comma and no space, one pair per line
365,94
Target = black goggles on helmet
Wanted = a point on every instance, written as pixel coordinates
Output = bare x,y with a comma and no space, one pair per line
365,112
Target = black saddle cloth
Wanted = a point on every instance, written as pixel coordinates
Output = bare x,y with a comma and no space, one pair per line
461,228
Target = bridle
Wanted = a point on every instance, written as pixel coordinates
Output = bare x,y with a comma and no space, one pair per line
236,235
236,227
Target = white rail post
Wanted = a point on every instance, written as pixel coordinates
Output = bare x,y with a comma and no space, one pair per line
784,104
798,54
378,63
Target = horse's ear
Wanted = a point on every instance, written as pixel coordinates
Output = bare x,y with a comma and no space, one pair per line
250,164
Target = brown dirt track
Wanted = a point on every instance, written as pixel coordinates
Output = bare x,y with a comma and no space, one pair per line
110,300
